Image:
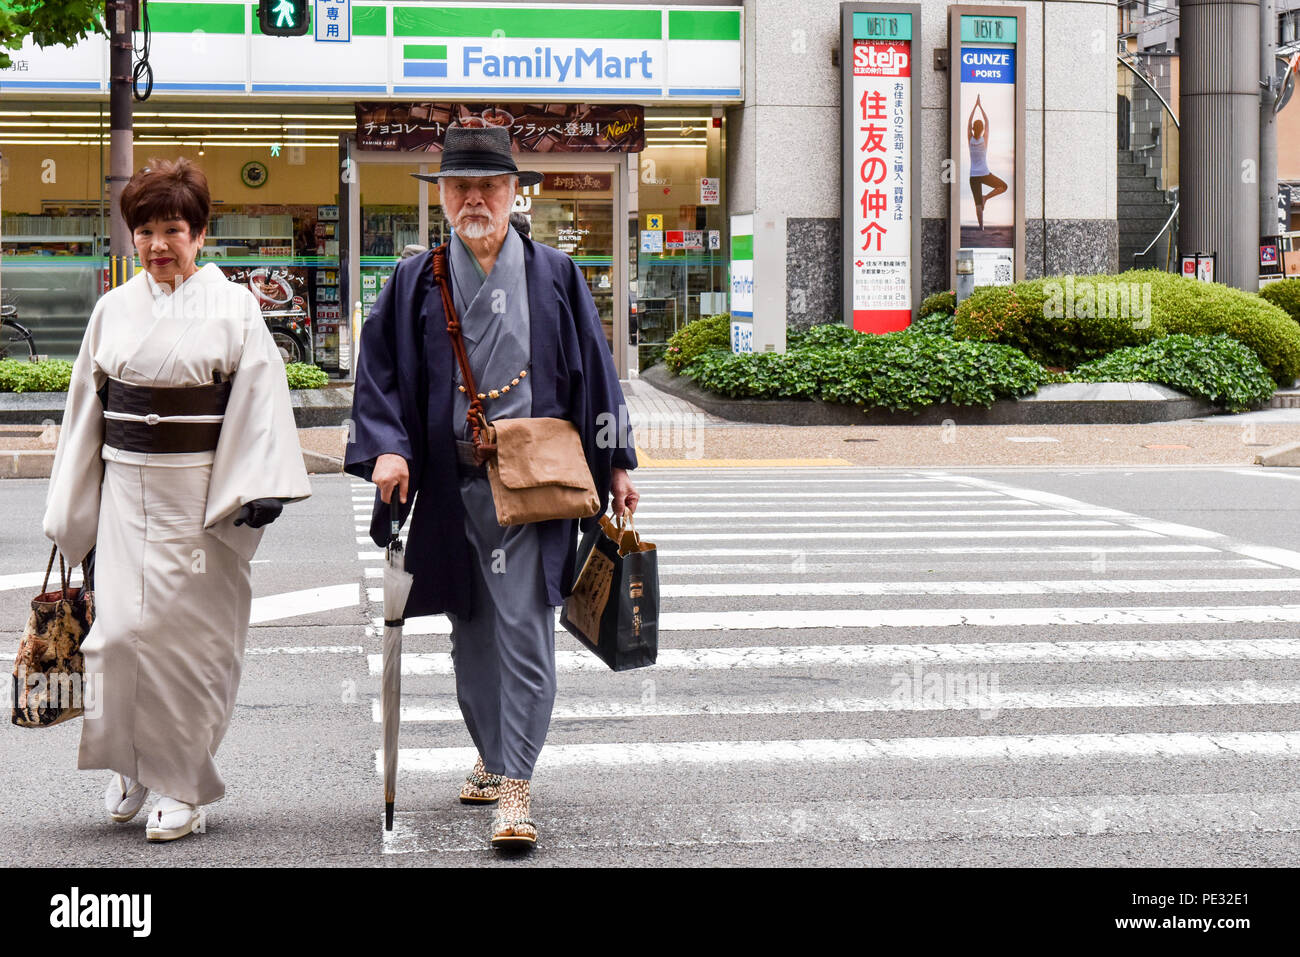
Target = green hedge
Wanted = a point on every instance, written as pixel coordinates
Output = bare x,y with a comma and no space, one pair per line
945,302
53,375
22,375
1217,368
696,338
1285,294
900,371
304,376
1038,318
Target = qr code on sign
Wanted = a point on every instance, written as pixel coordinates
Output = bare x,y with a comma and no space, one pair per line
1002,273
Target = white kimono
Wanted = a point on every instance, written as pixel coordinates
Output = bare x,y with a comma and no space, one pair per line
172,579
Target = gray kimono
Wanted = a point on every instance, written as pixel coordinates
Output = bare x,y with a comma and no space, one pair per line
504,653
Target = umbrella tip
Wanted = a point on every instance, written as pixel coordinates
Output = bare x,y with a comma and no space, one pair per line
388,815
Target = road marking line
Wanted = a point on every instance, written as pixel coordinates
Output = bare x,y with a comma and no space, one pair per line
924,820
305,602
646,513
790,620
902,655
308,650
911,533
1001,748
34,580
1127,586
912,697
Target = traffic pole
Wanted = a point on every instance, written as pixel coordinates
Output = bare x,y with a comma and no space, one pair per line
120,15
1267,118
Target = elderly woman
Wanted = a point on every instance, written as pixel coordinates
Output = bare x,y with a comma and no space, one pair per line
534,345
178,445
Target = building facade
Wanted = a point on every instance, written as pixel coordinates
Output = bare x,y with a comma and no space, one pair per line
655,125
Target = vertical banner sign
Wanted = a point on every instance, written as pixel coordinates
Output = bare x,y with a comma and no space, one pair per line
881,241
742,283
988,131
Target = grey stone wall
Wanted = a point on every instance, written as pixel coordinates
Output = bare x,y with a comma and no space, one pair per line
812,272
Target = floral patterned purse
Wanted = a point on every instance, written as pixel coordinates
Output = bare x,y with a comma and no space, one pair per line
49,670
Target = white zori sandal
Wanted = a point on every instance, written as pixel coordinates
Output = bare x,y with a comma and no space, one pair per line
171,819
124,798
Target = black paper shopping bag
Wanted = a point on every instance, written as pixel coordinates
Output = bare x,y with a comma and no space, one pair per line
614,607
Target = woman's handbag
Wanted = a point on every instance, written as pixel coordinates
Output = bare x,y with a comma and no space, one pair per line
537,467
49,670
614,607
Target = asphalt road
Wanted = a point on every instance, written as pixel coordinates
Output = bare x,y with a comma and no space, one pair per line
858,666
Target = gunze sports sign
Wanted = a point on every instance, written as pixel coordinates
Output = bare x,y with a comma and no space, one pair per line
881,132
576,52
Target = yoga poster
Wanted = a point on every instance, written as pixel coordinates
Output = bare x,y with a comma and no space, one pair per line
988,155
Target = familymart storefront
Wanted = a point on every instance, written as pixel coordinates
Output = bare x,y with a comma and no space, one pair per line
309,143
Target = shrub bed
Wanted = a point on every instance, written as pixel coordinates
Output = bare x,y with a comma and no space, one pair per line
900,371
1065,321
53,375
22,375
696,338
1216,368
1285,294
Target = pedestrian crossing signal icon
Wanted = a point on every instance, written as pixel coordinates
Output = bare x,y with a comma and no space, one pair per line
654,221
283,18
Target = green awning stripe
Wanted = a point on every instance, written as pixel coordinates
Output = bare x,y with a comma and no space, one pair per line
704,25
189,17
533,24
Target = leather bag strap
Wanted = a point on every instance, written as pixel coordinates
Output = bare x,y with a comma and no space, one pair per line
442,276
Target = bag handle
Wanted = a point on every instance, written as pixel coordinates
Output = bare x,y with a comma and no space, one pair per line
64,574
476,416
626,517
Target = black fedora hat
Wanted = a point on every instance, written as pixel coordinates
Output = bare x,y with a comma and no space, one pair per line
481,151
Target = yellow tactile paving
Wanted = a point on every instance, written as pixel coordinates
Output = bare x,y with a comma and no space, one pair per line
646,461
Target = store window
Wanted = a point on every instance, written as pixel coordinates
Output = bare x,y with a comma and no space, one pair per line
272,173
681,224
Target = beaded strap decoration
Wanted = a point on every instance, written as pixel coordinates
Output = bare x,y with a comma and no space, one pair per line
497,393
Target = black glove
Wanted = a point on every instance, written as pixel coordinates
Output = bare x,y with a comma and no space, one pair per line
259,512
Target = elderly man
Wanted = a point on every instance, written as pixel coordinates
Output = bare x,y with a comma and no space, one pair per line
529,324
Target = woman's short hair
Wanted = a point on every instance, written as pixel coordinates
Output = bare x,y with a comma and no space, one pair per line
167,189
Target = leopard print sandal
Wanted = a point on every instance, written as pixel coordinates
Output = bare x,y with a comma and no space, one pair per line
512,827
481,787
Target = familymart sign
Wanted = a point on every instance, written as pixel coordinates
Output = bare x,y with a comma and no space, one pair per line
559,51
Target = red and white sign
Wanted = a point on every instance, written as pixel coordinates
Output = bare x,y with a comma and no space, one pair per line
674,239
882,224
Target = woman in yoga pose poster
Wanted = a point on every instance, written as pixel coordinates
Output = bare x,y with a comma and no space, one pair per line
977,137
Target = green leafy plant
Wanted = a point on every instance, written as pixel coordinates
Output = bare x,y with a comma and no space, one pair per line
934,324
902,371
945,302
48,23
1067,320
304,376
22,375
696,338
1285,294
649,355
1216,368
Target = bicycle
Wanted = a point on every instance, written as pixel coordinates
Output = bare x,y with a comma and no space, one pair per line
14,336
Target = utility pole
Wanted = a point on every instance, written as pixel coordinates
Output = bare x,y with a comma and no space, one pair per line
1219,162
121,24
1267,118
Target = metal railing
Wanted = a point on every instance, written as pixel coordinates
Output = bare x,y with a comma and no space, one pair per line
1153,127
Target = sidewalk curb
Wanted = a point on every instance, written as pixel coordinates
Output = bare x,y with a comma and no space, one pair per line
37,463
1102,403
26,463
312,408
1286,455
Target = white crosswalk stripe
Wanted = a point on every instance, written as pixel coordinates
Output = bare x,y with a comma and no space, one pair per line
763,575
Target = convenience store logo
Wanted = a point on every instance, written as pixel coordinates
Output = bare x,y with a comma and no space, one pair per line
424,60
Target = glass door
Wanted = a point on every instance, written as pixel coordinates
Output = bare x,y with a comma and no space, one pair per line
574,209
574,212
